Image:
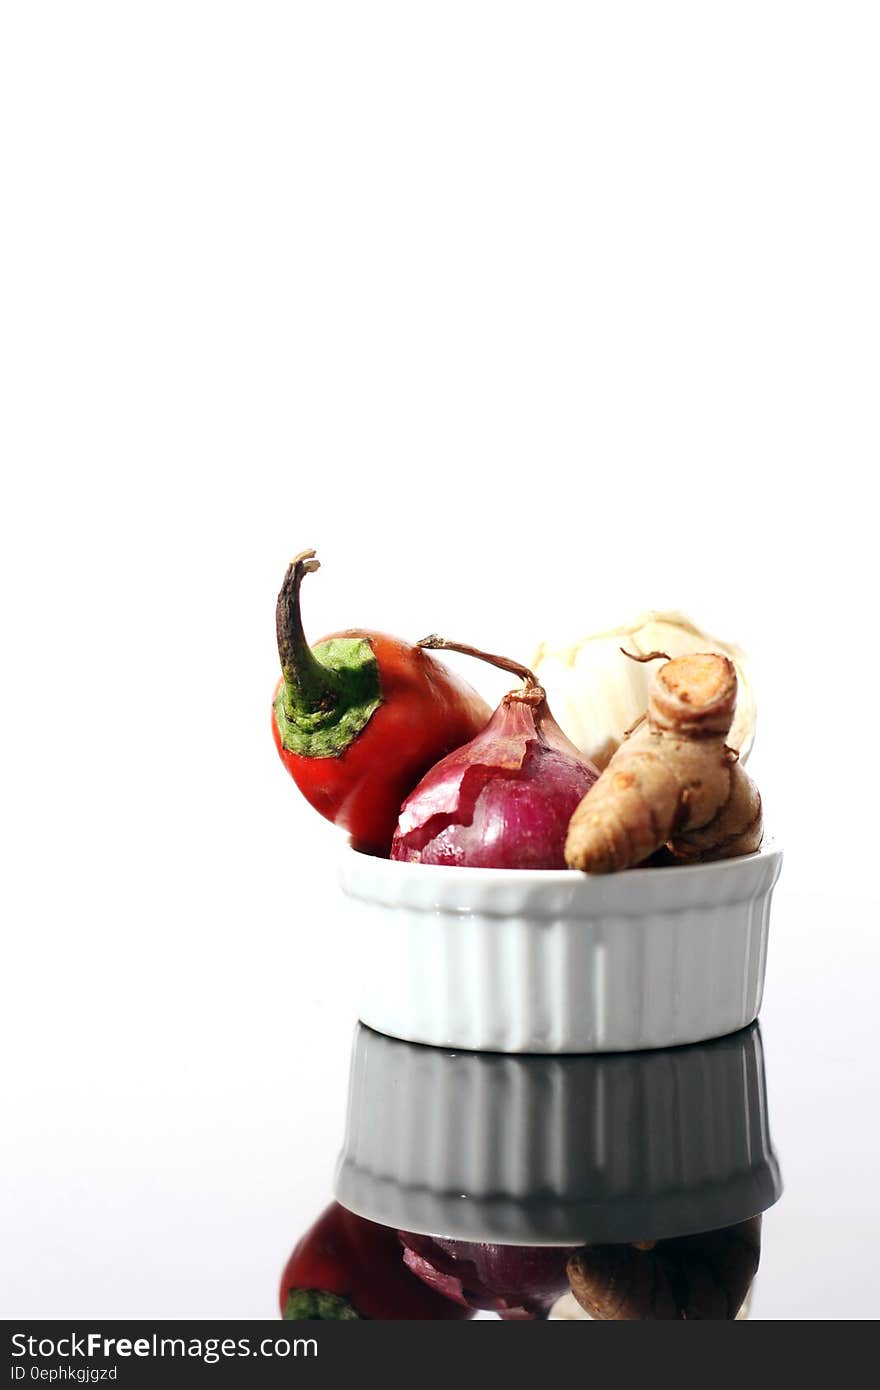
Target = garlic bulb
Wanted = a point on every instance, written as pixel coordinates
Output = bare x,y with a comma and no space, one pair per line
597,693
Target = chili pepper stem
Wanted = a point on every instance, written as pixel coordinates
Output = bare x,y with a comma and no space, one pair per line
310,686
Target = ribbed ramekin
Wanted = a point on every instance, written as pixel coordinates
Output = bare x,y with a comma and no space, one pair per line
558,961
557,1150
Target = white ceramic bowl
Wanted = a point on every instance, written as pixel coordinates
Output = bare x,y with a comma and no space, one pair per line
557,1150
559,961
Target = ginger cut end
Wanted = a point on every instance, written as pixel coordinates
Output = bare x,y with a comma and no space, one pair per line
695,695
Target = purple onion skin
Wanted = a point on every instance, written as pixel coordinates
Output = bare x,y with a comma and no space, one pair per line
517,1282
503,801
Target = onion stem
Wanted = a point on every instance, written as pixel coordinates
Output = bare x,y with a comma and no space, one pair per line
505,663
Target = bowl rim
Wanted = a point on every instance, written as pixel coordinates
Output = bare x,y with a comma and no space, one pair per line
770,850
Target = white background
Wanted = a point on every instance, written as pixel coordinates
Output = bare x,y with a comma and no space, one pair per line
528,317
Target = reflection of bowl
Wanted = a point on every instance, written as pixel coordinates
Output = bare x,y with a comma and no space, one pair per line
557,961
557,1150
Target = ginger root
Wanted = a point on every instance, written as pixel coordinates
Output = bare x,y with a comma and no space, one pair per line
688,1278
673,782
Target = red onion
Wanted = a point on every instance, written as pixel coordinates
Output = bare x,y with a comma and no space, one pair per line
514,1281
504,800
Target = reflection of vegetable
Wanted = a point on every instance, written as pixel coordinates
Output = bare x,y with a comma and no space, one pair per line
359,718
504,800
674,781
567,1309
346,1267
597,694
514,1281
689,1278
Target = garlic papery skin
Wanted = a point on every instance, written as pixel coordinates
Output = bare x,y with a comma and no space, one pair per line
567,1309
598,694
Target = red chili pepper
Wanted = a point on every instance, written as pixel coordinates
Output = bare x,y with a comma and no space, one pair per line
359,718
347,1267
